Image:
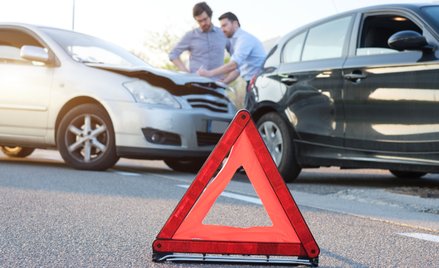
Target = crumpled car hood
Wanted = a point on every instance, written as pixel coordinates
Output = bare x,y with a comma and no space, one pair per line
177,83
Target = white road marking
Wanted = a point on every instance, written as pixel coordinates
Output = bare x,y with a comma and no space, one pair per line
124,173
427,237
249,199
253,200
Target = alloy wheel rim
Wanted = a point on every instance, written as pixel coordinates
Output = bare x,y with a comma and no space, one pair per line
87,138
272,137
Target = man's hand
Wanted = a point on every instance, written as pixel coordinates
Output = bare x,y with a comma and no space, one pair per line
204,72
230,67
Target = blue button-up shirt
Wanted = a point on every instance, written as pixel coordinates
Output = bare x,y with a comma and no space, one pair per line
206,49
247,52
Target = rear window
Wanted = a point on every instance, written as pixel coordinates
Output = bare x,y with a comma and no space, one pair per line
293,48
326,40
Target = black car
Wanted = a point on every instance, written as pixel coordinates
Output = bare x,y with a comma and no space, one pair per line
356,90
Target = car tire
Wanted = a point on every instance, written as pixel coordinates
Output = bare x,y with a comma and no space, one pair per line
407,174
191,166
17,151
85,138
279,141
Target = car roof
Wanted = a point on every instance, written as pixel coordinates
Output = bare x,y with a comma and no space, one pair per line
29,26
385,7
19,24
396,5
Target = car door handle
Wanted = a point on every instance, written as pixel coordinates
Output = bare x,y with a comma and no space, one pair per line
355,77
288,79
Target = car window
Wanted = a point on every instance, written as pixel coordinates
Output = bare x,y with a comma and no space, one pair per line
432,12
376,31
293,48
10,53
326,40
272,58
11,42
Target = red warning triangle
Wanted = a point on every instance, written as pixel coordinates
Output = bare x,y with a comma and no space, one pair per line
241,145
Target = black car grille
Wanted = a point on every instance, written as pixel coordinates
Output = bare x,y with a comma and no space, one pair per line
217,105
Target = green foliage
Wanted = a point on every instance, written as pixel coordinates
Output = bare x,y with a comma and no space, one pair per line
170,66
156,47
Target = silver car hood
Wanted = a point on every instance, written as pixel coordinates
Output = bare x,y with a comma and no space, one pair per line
179,78
178,84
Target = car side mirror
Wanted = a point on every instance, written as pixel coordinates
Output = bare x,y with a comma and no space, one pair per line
407,40
33,53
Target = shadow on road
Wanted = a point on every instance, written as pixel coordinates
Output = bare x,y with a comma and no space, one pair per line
333,180
319,181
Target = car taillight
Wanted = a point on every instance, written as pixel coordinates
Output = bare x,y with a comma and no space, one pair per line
251,83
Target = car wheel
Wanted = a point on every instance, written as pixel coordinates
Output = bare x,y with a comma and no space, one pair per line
278,139
407,174
17,151
192,166
86,138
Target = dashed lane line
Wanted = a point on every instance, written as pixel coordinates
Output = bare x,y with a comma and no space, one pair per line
248,199
257,201
422,236
254,200
124,173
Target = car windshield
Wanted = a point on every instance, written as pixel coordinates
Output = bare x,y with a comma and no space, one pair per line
432,12
88,49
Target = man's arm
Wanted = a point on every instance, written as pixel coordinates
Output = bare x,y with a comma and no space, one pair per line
180,65
224,69
230,77
174,55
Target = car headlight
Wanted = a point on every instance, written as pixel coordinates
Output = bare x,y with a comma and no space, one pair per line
146,93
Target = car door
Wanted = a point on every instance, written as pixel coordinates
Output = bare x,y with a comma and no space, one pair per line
311,73
391,97
24,88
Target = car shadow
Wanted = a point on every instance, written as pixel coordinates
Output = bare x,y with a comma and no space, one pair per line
332,180
319,181
55,176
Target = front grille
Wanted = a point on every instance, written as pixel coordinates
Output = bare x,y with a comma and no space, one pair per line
211,104
206,139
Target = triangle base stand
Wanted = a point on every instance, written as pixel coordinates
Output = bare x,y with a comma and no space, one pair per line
287,241
234,259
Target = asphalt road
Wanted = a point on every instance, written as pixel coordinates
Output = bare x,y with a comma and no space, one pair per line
54,216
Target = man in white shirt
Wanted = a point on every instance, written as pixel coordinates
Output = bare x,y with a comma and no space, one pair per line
247,52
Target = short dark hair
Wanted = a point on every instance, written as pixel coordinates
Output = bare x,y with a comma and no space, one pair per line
230,16
199,8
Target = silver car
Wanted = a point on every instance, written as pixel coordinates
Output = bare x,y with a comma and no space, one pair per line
96,102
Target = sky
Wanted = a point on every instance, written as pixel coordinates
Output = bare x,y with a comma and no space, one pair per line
129,22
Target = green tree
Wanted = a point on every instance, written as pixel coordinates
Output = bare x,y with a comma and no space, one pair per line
156,48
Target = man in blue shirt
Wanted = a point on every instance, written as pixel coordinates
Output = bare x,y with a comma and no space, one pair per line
247,52
205,44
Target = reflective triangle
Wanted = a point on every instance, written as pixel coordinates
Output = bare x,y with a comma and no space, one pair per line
281,230
241,145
